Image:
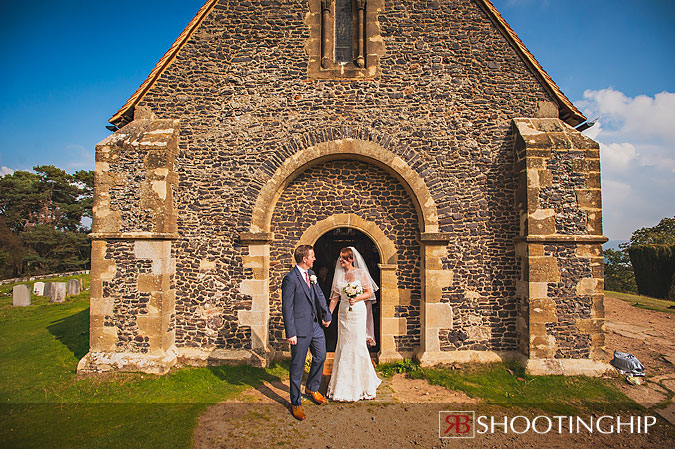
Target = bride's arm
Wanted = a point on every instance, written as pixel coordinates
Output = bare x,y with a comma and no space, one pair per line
333,302
367,288
367,291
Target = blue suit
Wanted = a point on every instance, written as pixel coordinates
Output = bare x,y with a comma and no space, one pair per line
304,307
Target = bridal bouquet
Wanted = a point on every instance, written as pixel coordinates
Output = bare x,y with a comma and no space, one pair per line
352,290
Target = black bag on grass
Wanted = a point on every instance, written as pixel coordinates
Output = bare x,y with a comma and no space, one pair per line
627,364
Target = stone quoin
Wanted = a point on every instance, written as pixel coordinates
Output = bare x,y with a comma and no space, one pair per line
425,127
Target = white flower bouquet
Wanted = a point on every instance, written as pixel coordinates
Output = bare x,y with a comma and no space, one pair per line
352,290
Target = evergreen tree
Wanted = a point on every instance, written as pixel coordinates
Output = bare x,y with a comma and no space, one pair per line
41,221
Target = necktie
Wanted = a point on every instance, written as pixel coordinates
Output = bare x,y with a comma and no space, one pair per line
307,278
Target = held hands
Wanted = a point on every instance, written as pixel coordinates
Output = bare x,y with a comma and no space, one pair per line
326,323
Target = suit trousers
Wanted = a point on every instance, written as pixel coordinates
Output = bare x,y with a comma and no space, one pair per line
316,343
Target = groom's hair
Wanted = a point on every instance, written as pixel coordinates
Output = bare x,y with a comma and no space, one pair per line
301,252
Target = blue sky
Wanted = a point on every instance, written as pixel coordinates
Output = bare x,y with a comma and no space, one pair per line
69,65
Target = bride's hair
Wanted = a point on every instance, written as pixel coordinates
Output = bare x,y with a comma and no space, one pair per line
347,252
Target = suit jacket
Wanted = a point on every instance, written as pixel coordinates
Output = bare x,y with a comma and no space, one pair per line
300,302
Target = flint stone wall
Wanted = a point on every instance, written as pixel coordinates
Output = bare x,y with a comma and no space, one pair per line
343,187
443,103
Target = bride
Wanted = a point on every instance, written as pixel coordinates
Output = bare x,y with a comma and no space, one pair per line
353,375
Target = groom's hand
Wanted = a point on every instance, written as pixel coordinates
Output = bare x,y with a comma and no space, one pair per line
293,340
326,323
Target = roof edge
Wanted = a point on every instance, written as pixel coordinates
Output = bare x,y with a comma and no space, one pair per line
567,111
125,114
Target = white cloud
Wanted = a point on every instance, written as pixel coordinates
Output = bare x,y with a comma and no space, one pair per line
641,117
617,156
5,171
637,148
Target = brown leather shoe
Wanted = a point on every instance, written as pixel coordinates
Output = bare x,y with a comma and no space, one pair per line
316,396
298,412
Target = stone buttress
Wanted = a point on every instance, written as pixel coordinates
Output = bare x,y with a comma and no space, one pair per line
134,224
561,315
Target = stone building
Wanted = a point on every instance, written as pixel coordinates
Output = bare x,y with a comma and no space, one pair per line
423,132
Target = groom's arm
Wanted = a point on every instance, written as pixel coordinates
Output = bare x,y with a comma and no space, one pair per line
324,307
287,307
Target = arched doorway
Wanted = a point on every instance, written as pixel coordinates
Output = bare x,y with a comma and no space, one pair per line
327,249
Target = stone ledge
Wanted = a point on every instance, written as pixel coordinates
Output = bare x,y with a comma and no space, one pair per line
253,238
134,236
431,358
393,356
387,266
568,367
558,238
101,362
216,357
438,238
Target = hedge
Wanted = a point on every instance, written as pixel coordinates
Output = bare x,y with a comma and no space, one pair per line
654,268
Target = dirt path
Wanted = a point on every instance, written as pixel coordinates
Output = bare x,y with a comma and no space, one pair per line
650,336
647,334
406,412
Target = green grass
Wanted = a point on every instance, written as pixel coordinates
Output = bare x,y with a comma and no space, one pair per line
644,302
508,385
43,403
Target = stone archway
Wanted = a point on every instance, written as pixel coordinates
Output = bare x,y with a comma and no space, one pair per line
432,246
355,149
390,325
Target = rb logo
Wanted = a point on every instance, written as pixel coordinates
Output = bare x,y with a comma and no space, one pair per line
456,424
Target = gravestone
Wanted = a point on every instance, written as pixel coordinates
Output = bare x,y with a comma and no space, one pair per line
47,289
74,287
20,295
39,288
57,292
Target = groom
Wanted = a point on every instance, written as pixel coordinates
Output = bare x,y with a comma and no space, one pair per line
304,308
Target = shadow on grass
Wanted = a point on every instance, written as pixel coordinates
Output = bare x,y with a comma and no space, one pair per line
254,377
73,332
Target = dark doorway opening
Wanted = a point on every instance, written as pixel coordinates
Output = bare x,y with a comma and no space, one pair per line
327,250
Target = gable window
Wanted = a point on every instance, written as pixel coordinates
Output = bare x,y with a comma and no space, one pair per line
343,38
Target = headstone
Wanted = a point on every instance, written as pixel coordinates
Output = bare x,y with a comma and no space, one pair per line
47,289
39,288
57,292
74,287
20,296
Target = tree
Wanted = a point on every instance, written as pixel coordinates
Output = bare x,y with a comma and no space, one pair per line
41,221
20,199
661,234
12,252
619,275
619,271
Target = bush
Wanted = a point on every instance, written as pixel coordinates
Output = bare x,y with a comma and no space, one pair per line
654,267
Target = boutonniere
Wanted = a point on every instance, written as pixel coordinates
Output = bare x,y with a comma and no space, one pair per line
312,279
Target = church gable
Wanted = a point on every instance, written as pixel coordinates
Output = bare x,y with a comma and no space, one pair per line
320,16
431,139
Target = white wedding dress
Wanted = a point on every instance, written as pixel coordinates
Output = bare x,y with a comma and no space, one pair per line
353,377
